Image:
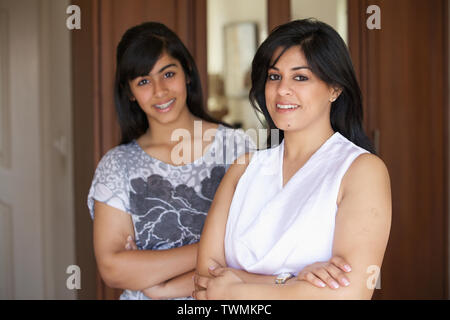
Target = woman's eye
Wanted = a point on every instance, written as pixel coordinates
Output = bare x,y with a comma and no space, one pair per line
274,77
169,74
301,78
143,82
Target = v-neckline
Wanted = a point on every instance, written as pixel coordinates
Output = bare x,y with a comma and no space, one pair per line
207,151
283,185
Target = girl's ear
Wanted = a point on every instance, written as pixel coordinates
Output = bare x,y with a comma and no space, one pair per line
130,95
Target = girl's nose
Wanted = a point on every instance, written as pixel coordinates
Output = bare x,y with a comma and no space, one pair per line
160,89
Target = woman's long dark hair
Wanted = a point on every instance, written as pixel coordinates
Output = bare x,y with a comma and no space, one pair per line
329,59
138,50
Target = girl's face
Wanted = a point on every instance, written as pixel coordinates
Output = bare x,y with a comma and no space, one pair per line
162,93
295,97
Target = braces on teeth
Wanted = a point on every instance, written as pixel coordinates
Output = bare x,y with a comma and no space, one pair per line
165,105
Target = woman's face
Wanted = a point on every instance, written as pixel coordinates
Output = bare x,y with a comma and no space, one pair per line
295,97
162,93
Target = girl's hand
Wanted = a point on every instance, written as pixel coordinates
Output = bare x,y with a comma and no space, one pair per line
155,292
331,273
218,287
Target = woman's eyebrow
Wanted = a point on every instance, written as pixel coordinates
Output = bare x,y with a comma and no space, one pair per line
301,67
293,69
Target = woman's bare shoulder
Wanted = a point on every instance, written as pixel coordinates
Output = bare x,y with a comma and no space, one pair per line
367,172
238,167
367,164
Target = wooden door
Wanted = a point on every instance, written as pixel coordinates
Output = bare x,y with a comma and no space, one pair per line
94,48
402,68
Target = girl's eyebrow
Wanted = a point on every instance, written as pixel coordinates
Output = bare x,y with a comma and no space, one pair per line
167,66
163,68
293,69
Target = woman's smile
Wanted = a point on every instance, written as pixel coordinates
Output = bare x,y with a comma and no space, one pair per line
286,108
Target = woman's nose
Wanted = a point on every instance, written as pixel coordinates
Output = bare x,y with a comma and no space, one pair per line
284,88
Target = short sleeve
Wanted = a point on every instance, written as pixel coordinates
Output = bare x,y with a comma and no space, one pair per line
110,182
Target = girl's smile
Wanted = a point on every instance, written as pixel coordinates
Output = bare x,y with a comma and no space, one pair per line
165,107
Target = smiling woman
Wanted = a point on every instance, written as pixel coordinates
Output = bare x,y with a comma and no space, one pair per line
325,194
292,86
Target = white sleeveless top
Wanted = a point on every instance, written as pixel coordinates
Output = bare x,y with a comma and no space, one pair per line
273,229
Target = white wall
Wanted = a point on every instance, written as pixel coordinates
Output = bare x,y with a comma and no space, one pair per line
222,12
333,12
20,182
36,192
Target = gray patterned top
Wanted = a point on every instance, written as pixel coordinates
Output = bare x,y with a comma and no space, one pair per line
168,204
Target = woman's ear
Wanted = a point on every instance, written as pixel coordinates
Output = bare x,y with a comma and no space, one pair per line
335,93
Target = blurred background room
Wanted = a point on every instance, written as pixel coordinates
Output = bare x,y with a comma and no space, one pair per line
57,119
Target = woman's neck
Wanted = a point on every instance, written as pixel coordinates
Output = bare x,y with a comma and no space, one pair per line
302,144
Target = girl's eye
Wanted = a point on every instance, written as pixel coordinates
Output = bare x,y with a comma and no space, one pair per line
301,78
169,74
143,82
274,77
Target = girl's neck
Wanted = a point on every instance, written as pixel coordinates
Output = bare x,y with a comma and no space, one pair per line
161,133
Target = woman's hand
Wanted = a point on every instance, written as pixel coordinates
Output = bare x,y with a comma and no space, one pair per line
331,273
155,292
218,287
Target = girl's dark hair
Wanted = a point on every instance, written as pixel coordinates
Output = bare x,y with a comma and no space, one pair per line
329,59
137,52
